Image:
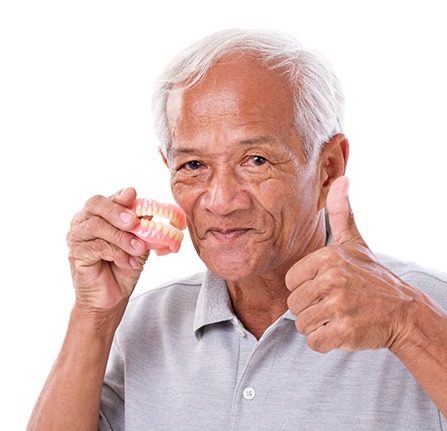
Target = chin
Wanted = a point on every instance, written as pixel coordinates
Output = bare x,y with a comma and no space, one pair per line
228,266
230,275
235,269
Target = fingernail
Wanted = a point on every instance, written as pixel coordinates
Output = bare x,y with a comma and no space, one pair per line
133,262
135,243
125,217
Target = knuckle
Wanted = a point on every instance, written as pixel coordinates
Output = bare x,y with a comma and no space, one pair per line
91,226
72,255
77,219
344,326
100,246
329,277
326,252
69,237
119,237
333,279
337,307
103,250
316,343
289,279
334,255
93,203
292,303
300,325
347,334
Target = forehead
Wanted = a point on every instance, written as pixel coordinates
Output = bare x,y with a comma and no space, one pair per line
238,92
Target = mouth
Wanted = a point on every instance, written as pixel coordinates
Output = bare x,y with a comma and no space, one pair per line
227,235
159,236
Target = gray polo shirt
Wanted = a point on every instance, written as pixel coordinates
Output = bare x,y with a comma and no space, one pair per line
181,360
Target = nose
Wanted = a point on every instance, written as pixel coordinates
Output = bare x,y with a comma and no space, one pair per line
225,193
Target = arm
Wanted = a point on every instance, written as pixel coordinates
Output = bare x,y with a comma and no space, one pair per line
345,299
106,262
71,396
424,348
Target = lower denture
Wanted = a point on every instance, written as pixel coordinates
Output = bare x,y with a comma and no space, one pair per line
163,238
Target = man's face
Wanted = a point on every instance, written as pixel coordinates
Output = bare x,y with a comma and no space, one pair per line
238,171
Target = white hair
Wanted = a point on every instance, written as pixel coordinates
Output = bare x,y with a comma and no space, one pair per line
318,98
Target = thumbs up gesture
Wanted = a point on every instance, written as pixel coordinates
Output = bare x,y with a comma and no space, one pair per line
343,298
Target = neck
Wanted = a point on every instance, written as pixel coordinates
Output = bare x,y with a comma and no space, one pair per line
260,301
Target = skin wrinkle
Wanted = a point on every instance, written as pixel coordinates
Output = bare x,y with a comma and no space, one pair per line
222,124
264,183
266,237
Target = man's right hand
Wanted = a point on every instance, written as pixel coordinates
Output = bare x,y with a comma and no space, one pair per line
106,260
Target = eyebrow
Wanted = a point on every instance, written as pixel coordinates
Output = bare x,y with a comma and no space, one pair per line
260,140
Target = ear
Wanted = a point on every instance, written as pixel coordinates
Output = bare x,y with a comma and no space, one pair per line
332,164
163,156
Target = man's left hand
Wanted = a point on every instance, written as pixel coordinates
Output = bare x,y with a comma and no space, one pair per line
343,298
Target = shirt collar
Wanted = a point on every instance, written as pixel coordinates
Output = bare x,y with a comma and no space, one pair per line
213,303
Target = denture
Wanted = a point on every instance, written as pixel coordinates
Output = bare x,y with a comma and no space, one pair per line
161,237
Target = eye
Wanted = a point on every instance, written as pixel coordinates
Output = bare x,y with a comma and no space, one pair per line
193,165
259,160
255,161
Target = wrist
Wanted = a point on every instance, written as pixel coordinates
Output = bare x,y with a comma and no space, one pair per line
98,322
423,321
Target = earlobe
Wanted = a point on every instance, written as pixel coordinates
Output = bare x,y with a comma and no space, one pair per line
332,162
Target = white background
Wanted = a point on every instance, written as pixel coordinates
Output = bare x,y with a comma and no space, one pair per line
75,120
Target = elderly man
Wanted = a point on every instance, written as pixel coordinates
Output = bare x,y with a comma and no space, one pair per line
295,325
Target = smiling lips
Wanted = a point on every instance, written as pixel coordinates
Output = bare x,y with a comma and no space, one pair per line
161,237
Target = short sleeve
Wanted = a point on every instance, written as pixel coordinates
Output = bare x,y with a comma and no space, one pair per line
111,417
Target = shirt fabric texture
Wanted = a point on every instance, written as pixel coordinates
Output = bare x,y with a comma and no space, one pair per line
181,360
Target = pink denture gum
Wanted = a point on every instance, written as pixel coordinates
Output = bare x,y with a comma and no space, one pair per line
161,237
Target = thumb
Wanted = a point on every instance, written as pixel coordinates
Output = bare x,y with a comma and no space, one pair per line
340,214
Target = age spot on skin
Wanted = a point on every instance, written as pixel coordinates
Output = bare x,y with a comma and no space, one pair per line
158,236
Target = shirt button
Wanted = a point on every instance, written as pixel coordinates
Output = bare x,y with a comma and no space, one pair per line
249,393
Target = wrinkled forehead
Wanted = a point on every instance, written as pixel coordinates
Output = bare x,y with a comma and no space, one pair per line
237,84
238,103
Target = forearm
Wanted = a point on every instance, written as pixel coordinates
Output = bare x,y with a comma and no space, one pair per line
71,396
424,350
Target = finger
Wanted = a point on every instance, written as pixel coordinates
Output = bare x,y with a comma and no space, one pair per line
300,273
312,266
91,252
335,334
125,196
114,210
320,340
305,296
341,218
328,283
309,308
311,319
97,228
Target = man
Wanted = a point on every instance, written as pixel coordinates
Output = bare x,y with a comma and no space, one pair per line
294,325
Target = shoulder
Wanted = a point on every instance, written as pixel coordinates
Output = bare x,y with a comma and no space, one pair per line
430,281
173,298
173,288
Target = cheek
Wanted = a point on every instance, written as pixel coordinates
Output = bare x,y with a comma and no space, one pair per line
185,195
285,193
291,204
